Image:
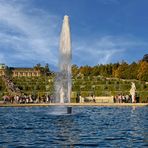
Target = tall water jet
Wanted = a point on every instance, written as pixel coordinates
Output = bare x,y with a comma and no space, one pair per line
63,78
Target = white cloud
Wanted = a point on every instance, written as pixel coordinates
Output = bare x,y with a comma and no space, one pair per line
27,34
105,49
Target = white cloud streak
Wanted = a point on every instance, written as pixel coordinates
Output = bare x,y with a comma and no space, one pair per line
106,49
27,35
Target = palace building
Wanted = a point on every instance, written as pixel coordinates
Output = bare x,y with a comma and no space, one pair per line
25,72
19,72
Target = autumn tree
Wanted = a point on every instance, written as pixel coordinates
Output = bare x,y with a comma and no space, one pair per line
75,70
121,71
85,70
95,71
132,71
114,68
143,71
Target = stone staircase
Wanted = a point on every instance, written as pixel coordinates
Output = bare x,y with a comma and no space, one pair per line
12,89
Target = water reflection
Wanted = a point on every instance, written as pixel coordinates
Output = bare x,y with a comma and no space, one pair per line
133,108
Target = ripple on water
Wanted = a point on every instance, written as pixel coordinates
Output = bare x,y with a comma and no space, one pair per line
85,127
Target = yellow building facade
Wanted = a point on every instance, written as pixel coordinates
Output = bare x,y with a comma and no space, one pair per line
25,72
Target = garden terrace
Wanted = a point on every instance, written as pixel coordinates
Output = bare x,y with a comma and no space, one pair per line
99,86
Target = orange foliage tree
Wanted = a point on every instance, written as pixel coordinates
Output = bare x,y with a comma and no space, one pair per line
143,71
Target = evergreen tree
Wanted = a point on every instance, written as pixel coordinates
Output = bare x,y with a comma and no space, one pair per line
145,58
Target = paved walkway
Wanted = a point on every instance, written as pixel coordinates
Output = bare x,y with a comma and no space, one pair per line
74,104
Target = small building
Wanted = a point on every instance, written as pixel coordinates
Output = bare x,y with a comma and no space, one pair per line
2,72
25,72
2,66
2,69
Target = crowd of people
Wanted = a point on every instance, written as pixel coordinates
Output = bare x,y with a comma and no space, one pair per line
23,99
116,99
125,99
80,99
28,99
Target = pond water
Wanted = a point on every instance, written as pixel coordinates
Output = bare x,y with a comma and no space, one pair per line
41,127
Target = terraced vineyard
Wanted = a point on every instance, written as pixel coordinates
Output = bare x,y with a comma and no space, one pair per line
2,87
100,86
85,86
34,85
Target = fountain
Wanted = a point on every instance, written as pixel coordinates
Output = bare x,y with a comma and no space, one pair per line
63,78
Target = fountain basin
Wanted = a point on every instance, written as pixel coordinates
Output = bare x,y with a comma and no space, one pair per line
73,104
87,126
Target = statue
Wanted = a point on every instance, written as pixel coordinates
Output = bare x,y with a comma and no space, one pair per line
133,91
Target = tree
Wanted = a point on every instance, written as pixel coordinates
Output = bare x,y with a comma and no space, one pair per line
75,70
143,71
121,72
114,68
44,70
132,71
85,70
109,69
145,58
37,67
95,71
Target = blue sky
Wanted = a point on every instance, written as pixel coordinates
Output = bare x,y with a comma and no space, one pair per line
103,31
